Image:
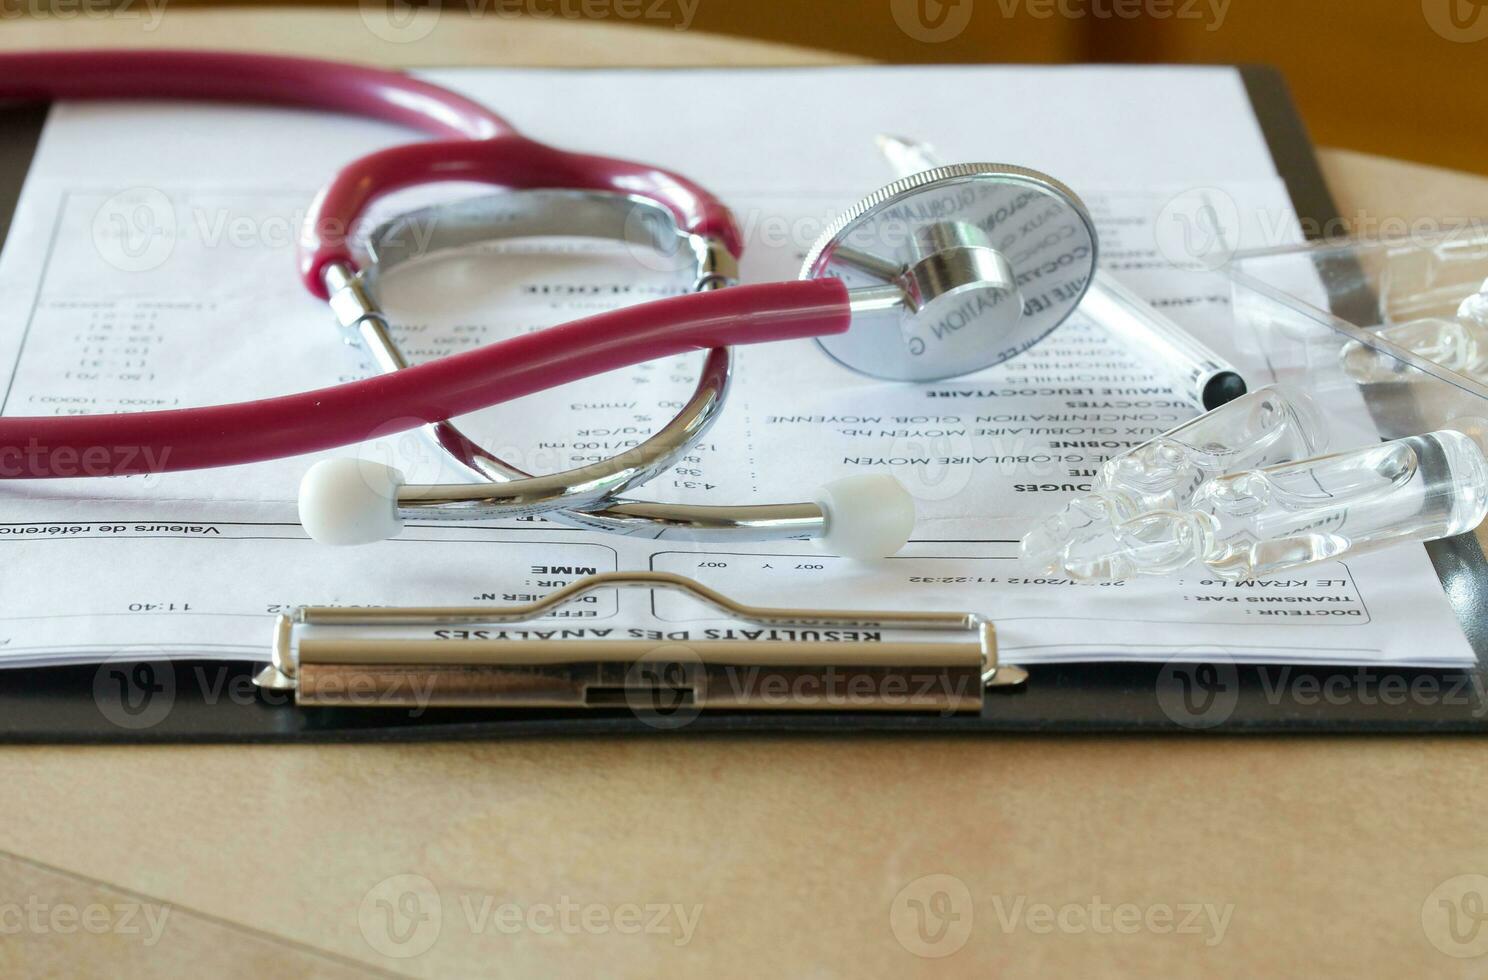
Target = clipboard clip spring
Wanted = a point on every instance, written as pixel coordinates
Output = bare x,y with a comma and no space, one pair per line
851,670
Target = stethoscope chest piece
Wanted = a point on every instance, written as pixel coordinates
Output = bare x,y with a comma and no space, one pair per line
955,269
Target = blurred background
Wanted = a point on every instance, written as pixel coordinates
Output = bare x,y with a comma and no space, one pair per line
1399,78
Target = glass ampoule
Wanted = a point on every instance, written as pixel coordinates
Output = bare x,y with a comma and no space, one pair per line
1272,425
1459,345
1275,424
1262,522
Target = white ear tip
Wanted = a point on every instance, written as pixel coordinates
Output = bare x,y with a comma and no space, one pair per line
350,501
868,517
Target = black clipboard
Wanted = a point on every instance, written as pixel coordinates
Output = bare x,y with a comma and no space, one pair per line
208,701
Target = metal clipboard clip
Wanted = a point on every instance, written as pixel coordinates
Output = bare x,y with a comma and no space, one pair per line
804,670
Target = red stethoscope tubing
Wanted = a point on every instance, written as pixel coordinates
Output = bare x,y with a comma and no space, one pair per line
290,425
484,147
221,76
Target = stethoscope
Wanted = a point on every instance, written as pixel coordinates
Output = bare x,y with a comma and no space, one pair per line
941,273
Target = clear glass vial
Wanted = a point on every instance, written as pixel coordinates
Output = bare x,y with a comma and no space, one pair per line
1261,522
1459,345
1268,426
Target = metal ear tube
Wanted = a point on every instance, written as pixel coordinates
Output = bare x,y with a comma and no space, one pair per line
796,673
350,501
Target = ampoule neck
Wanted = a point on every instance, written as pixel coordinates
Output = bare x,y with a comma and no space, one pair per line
1154,543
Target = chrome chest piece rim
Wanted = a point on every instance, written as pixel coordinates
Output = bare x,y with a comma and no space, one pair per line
955,269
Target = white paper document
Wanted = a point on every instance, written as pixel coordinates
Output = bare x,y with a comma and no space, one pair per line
151,265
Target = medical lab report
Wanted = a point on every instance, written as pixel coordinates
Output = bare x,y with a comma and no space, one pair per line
151,266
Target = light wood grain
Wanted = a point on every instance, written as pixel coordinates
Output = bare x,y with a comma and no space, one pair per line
1325,850
1371,187
795,849
56,923
454,39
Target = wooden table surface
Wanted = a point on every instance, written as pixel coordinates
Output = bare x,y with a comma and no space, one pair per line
741,856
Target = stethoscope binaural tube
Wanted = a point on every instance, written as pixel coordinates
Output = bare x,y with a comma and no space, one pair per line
347,502
222,76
